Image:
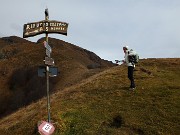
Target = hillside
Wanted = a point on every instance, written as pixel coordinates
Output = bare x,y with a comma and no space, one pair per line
103,105
19,61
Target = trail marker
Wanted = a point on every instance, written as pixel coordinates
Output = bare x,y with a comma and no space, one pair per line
46,128
48,53
46,45
53,71
49,61
46,26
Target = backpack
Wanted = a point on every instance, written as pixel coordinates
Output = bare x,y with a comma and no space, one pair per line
133,57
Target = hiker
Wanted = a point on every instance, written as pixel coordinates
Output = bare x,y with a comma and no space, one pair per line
131,65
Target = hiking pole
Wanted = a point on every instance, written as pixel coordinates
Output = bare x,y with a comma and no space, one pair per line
118,61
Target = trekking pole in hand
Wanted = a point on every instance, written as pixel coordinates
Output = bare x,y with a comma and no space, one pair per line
118,61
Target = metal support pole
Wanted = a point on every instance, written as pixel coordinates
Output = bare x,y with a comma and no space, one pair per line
47,74
48,96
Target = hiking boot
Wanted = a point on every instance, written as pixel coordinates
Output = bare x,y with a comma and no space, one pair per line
132,89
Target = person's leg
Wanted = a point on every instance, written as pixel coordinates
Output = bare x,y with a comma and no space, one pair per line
130,76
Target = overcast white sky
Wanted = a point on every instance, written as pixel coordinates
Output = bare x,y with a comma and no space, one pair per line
151,27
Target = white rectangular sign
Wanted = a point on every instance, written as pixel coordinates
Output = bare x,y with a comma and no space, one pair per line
46,128
48,53
47,46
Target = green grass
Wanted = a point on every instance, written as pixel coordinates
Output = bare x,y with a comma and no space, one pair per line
103,105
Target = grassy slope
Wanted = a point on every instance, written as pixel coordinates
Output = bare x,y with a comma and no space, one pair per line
19,61
103,105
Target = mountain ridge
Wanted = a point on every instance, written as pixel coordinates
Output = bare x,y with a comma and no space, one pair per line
19,61
90,100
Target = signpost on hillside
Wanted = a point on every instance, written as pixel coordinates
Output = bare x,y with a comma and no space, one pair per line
35,28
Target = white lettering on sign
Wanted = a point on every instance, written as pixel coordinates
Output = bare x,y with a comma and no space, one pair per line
27,27
35,28
47,127
47,28
57,24
45,24
57,28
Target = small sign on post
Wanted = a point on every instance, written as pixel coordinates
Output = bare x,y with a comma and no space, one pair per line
46,128
53,71
47,46
49,61
48,53
48,49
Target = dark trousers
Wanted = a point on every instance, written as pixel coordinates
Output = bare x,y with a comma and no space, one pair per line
130,76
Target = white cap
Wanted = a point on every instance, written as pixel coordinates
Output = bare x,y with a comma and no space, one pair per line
127,47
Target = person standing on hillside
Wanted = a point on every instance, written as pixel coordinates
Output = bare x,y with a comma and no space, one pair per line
131,65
